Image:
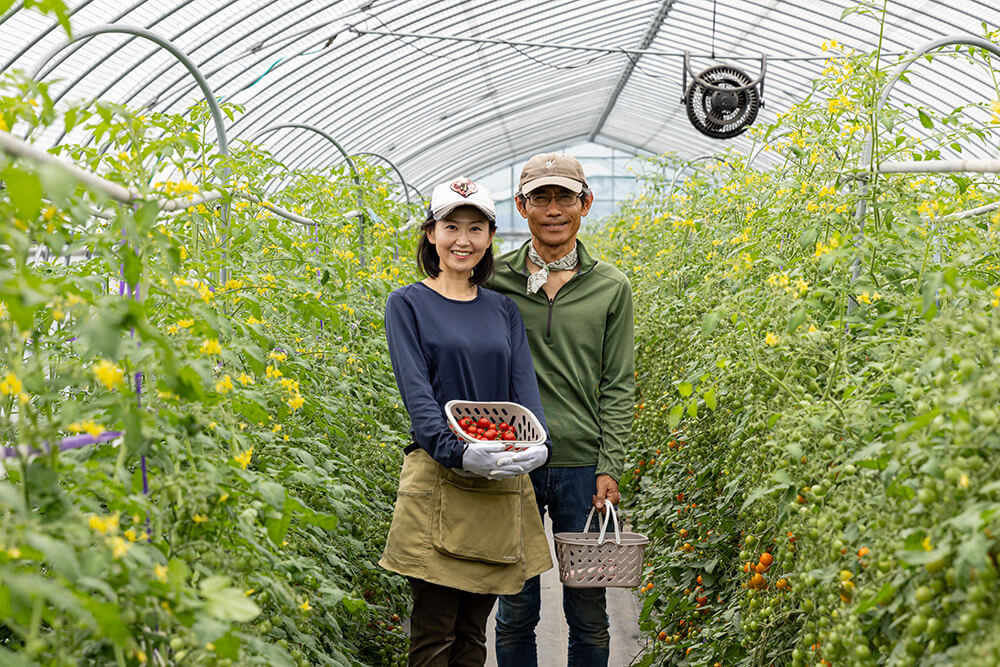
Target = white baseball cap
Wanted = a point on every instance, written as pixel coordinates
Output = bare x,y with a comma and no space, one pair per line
462,191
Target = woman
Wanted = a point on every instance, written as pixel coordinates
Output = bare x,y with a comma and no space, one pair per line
466,526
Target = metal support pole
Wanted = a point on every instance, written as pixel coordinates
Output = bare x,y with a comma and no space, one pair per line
406,191
866,155
350,164
206,89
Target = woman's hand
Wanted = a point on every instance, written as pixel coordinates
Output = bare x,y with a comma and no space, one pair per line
607,489
525,461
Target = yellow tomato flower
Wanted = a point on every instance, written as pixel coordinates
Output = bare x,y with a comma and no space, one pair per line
245,379
130,534
119,547
185,324
296,402
211,346
225,385
305,606
200,518
104,525
109,374
278,356
771,339
10,385
272,372
90,426
244,458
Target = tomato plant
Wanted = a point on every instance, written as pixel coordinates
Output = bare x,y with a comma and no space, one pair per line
816,408
239,516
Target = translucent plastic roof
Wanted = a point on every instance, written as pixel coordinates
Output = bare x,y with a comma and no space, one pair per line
442,87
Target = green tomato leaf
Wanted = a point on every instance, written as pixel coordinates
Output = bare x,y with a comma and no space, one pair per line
709,397
25,191
709,321
109,620
674,419
60,556
273,493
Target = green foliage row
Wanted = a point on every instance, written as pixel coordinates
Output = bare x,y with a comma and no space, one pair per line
243,358
820,393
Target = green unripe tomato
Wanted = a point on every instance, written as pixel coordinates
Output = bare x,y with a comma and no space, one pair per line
924,594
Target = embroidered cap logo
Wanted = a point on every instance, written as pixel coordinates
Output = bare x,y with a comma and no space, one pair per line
549,164
464,187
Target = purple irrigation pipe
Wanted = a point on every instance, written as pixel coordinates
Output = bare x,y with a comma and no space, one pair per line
72,442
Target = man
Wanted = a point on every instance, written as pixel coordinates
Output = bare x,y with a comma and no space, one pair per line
578,315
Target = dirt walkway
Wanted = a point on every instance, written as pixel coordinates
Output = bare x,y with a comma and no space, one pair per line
552,632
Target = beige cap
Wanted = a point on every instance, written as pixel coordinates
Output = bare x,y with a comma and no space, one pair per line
552,169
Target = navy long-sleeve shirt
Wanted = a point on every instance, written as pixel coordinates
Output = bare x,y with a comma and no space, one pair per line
442,350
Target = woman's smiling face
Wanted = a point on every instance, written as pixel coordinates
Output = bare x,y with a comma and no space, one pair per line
461,239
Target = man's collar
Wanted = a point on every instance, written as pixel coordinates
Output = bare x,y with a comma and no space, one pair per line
521,256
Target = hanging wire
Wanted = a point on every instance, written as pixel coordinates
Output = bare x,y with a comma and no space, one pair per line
713,29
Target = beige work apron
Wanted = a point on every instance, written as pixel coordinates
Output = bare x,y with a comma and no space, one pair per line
469,533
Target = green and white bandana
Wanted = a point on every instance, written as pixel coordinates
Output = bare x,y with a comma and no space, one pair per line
539,278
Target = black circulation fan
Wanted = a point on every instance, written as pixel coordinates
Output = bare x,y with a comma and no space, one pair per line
722,101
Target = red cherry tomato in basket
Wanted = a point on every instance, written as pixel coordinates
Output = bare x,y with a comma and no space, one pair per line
465,423
509,435
483,422
490,434
504,426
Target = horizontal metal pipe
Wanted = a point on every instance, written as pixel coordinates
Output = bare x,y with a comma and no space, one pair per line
13,146
972,212
979,166
573,47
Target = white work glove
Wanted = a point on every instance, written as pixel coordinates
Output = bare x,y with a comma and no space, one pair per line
482,459
519,463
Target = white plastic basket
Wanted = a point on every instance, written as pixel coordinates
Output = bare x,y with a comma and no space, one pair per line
593,560
529,430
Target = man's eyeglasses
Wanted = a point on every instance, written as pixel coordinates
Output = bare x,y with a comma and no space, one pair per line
542,199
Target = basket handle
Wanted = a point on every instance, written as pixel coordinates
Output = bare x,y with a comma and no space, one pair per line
608,515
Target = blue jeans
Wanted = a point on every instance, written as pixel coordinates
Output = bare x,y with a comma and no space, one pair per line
567,492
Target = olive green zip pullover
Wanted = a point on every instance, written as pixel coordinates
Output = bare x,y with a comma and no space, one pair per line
583,348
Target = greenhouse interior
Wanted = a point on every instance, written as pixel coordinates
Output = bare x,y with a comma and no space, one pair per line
222,331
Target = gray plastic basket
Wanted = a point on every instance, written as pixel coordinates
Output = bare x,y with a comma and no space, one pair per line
529,430
594,560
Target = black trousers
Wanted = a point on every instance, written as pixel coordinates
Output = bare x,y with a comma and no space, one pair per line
448,626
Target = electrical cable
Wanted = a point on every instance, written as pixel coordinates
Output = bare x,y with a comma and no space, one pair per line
713,29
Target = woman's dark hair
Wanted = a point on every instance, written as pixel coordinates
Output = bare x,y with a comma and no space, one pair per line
429,263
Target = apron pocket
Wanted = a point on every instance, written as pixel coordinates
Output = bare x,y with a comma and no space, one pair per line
478,519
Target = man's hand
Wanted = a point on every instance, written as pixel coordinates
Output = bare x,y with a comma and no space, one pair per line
607,489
